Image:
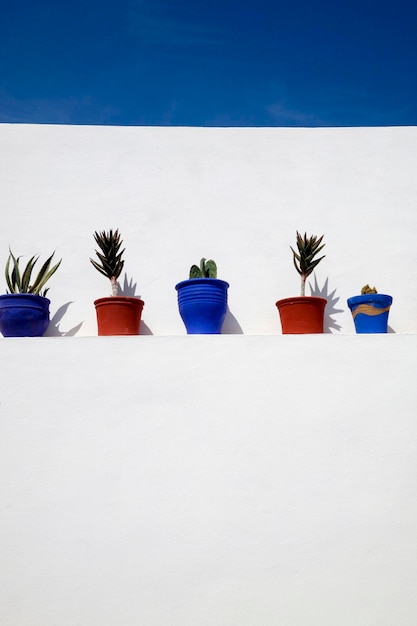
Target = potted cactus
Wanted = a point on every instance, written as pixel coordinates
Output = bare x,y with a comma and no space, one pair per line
370,310
24,309
202,299
116,315
303,314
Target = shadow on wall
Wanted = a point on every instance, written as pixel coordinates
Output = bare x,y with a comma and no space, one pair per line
53,329
329,322
230,325
128,289
144,329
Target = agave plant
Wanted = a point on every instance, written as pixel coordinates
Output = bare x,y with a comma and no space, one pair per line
111,263
304,261
207,269
20,281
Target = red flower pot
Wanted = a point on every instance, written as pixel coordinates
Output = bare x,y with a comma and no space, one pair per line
118,315
301,315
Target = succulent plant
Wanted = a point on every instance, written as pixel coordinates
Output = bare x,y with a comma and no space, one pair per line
207,269
111,263
304,261
367,290
19,281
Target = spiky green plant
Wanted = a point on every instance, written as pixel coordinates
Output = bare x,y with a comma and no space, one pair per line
207,269
304,261
111,263
19,280
367,290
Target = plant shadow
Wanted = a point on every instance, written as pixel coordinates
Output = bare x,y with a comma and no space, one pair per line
332,300
53,329
129,289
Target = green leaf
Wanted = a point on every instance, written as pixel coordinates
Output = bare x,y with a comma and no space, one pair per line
27,274
15,276
44,275
296,266
18,283
7,274
308,248
110,257
297,256
195,272
211,269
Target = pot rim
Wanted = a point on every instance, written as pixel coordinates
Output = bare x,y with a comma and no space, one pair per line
300,299
369,297
118,299
32,296
191,281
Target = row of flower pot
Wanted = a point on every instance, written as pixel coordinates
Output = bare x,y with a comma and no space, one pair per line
202,299
202,306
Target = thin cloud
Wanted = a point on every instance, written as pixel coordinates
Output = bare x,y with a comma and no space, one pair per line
167,24
360,105
281,114
60,111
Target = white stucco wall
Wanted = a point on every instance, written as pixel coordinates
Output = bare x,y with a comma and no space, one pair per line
231,480
237,195
199,480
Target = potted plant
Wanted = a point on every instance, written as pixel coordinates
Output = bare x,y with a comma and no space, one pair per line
303,314
370,310
116,315
24,309
202,299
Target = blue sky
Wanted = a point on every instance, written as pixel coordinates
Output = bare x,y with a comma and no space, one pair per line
218,63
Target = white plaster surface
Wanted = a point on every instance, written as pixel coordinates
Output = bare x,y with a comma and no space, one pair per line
165,480
235,194
208,480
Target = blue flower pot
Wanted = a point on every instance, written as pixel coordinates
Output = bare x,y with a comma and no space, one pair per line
202,303
23,315
370,312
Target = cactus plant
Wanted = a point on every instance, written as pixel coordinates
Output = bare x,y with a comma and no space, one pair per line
111,263
20,281
367,290
304,261
207,269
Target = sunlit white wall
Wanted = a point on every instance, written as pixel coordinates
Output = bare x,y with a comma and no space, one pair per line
205,480
235,194
255,480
